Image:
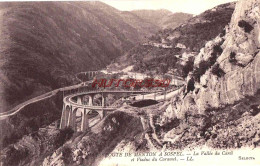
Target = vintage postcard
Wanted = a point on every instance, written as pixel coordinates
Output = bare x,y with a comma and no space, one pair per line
130,83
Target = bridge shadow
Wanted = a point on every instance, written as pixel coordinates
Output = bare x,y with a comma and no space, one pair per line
144,103
93,118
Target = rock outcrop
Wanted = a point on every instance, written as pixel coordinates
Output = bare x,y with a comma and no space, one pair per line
90,147
166,46
226,87
239,61
33,147
242,76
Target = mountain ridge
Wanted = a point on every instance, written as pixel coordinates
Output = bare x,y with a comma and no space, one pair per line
39,48
174,49
162,17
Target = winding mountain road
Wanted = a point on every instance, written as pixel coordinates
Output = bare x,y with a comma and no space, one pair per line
16,109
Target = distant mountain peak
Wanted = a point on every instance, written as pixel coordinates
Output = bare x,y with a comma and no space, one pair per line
165,11
162,17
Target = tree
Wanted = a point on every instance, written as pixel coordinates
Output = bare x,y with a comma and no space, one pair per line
199,71
67,154
216,70
63,136
163,68
15,156
245,25
188,67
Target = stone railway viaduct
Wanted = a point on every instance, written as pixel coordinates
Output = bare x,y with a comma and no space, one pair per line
72,106
85,76
74,103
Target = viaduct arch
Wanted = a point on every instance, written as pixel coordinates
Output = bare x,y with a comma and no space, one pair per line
75,103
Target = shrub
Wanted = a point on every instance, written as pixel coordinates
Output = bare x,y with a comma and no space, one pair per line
63,136
163,68
188,67
67,154
14,156
155,38
223,33
245,25
217,50
216,70
232,58
190,85
199,71
12,138
205,65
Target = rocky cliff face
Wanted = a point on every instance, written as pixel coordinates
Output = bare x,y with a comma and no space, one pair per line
223,88
239,60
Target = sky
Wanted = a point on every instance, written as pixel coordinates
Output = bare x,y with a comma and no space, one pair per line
186,6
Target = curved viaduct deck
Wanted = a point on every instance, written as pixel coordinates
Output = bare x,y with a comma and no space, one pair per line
68,99
71,106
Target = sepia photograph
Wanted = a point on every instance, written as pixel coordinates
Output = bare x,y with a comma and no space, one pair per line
130,83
